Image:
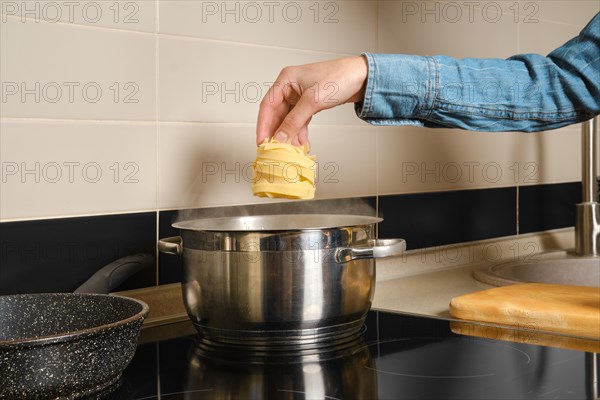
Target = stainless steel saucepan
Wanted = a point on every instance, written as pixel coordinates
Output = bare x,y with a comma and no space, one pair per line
279,280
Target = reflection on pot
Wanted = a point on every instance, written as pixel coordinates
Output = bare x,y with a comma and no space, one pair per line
337,374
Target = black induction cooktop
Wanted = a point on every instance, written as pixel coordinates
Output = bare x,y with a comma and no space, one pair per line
397,357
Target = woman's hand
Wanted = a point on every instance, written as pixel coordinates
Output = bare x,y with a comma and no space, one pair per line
302,91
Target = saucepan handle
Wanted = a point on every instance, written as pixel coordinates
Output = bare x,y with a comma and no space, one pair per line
372,249
171,245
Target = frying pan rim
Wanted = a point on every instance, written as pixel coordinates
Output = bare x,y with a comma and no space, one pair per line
78,334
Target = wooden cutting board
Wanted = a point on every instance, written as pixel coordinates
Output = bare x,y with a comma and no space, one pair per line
572,310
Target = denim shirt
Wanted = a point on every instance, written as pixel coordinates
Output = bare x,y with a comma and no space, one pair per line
526,92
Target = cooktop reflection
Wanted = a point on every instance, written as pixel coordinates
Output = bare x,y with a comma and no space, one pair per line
397,357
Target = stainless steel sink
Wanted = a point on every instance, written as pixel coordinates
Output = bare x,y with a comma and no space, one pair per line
558,267
581,266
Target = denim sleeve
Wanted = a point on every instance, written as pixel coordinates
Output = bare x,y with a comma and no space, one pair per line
527,92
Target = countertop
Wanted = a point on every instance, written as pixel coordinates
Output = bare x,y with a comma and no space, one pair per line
422,282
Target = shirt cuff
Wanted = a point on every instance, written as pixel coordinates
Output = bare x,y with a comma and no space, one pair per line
400,89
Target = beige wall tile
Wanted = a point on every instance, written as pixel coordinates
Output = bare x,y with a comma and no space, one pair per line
438,27
412,160
216,85
68,71
135,15
575,12
551,156
433,28
52,169
336,26
208,81
204,165
346,156
543,37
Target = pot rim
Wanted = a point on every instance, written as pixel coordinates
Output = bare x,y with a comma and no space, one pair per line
276,223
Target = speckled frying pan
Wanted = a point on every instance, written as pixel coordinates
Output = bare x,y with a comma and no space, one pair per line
69,345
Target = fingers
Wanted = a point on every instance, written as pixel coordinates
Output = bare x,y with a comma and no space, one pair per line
269,120
272,110
303,136
293,128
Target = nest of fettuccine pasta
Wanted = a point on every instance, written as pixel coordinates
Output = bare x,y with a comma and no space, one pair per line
284,171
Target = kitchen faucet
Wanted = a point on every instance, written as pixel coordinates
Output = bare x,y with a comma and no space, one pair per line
564,267
587,223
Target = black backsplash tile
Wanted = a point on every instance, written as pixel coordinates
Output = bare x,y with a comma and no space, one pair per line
58,255
551,206
425,219
431,219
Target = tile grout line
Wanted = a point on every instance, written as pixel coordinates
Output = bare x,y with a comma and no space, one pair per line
25,19
377,174
517,210
180,36
264,46
157,138
146,122
77,120
377,131
518,37
377,36
518,148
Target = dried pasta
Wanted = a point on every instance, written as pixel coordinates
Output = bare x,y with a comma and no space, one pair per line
284,171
